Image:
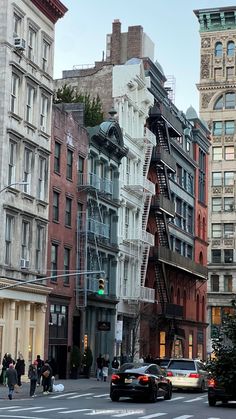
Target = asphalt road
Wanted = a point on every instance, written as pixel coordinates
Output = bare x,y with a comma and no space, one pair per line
94,401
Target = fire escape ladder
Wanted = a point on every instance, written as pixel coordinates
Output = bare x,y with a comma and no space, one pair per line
163,182
161,284
162,230
147,158
144,263
146,208
162,135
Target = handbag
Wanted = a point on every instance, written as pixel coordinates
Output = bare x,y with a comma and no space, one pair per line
46,373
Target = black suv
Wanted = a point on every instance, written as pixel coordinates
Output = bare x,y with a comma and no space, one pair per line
218,393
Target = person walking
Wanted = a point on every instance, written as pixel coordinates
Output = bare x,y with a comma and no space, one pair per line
100,363
105,367
7,360
46,373
115,363
33,376
11,376
40,364
20,368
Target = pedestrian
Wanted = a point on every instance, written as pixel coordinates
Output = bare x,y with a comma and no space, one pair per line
100,363
105,367
33,376
11,375
115,363
46,373
20,368
40,364
7,360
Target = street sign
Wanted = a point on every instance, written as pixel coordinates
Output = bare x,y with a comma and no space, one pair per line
104,326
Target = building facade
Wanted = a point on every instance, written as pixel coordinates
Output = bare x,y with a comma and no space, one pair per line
217,91
26,87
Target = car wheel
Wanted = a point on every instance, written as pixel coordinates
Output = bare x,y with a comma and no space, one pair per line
168,394
114,397
212,401
153,394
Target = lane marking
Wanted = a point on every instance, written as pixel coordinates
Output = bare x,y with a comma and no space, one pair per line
26,408
62,395
155,415
9,407
183,417
80,395
74,411
193,400
50,410
101,395
175,398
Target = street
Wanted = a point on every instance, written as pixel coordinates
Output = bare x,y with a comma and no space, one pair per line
96,402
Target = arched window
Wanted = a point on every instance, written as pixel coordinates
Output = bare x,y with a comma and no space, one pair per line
204,228
226,101
197,309
218,49
230,48
219,103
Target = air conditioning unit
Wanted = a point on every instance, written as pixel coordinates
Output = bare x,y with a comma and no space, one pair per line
19,43
24,263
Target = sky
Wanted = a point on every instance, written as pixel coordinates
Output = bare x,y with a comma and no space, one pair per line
80,36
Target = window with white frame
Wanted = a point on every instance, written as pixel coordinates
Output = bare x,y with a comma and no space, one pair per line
216,153
31,44
12,163
128,163
30,104
216,231
16,25
15,83
25,240
39,247
9,235
125,278
216,204
44,112
42,178
28,155
45,55
127,214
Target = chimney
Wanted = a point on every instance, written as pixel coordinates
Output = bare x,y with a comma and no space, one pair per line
135,42
116,42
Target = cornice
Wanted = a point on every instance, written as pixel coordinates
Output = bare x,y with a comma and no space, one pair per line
211,87
52,9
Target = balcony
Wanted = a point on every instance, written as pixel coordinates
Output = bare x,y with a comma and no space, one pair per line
163,204
147,294
171,311
93,181
166,113
178,261
98,228
161,156
139,185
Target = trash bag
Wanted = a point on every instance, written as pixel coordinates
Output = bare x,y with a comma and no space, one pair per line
58,387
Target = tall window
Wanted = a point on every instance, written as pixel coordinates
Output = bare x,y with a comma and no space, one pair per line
230,48
228,283
216,231
190,345
15,83
218,49
226,101
54,261
216,315
27,169
39,247
66,265
190,220
57,157
216,179
68,212
229,127
45,55
42,178
215,283
80,169
229,73
216,256
228,255
55,212
217,128
9,237
162,344
16,25
217,153
228,230
12,163
31,44
30,104
228,178
229,203
229,153
44,113
69,164
25,240
216,204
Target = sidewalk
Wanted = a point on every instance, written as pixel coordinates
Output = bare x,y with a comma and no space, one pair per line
81,384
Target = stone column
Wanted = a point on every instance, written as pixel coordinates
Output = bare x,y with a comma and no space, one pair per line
25,332
10,326
39,330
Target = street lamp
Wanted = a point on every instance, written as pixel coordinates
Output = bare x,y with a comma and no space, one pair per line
13,184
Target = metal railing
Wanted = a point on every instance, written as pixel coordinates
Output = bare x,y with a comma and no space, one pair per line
98,228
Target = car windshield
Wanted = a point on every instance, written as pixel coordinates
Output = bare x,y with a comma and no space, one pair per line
181,365
131,366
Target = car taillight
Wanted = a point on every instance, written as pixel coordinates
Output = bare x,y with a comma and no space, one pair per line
143,379
211,382
169,374
115,377
194,375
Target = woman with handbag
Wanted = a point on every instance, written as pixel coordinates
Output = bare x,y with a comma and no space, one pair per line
33,376
46,373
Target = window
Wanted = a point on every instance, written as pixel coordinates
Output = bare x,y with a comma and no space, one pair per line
16,25
229,73
230,48
218,49
216,204
9,235
55,209
189,252
30,104
228,230
54,260
68,212
215,283
80,169
39,247
219,103
217,153
15,83
187,146
25,240
178,246
69,164
218,73
179,174
178,217
162,344
216,315
228,283
216,179
66,265
228,255
228,178
31,44
190,220
57,157
44,113
42,179
229,153
230,100
229,204
216,256
12,163
45,55
125,277
128,164
216,231
58,321
27,169
229,127
217,128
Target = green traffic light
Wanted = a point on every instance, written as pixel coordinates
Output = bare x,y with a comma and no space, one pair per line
100,292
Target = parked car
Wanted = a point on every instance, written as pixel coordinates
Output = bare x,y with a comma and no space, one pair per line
137,380
162,362
187,374
218,392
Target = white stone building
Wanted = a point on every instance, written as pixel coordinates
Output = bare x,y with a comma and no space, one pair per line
26,65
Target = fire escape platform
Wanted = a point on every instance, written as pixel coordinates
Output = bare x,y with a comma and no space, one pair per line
161,156
165,113
162,204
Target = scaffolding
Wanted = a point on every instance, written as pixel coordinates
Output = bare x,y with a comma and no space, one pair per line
170,86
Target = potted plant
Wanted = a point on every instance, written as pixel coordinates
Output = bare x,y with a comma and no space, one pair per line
87,361
75,361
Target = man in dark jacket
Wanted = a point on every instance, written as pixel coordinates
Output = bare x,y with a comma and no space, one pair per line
33,376
11,375
46,373
40,364
20,368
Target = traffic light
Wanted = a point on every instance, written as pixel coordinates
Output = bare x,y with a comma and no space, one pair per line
101,286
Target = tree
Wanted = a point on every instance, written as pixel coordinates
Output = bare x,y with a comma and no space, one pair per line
93,113
223,366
